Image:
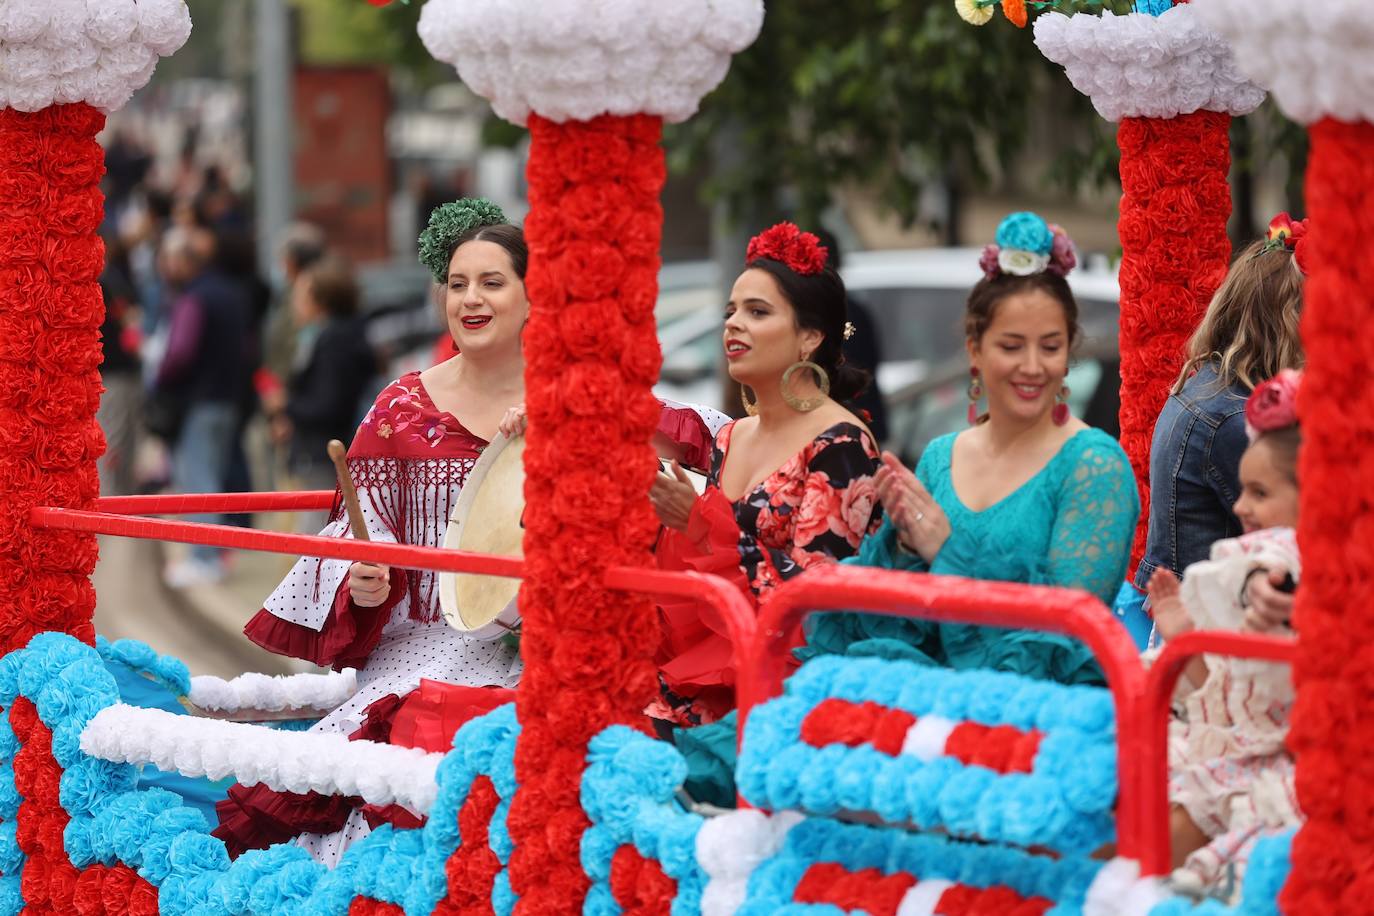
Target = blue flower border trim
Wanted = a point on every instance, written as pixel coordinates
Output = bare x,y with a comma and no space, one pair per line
141,658
1065,803
629,793
857,847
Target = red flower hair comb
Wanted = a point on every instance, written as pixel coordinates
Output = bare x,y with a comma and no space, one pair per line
1289,233
787,244
1273,405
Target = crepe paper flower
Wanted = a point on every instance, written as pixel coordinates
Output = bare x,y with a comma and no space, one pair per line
1285,232
973,12
1015,10
1273,405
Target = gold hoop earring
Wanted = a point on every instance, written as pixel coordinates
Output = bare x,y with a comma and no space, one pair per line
805,405
750,407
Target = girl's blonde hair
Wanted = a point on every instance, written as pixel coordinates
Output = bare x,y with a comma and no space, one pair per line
1251,326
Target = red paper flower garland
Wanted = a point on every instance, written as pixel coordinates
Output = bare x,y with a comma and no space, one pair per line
1334,673
50,314
366,906
592,355
1175,202
639,884
473,867
49,880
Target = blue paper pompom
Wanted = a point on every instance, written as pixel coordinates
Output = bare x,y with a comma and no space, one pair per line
502,895
1025,231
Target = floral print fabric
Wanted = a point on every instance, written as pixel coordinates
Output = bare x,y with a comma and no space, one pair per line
816,508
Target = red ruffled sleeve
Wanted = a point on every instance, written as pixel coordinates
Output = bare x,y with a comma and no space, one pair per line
348,636
685,427
694,656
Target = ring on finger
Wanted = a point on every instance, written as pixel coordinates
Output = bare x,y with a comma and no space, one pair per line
920,516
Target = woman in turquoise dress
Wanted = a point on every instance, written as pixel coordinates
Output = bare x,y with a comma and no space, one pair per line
1027,494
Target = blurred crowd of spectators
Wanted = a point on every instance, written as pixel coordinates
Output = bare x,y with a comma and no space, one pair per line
201,348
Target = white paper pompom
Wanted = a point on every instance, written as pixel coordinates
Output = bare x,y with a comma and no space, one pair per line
576,60
1315,55
1140,65
57,52
22,21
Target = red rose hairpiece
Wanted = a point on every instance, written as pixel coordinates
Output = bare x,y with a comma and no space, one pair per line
787,244
1273,405
1291,234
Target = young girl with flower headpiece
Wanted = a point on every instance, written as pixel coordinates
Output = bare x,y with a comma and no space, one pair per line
1230,775
1027,494
1249,333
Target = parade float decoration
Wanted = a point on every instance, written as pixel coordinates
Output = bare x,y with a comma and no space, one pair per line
63,65
1172,86
879,787
594,84
1318,63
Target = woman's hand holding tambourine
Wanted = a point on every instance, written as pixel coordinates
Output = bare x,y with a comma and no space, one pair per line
922,526
369,584
673,497
514,422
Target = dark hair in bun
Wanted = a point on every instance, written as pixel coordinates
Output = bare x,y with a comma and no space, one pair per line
821,304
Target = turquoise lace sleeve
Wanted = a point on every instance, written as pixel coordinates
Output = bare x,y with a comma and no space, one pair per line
851,633
1098,508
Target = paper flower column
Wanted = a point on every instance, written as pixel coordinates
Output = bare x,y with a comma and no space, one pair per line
594,82
63,65
1323,75
1173,87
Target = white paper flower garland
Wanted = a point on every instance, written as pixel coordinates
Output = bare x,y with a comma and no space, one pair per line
1149,66
328,763
1316,55
731,847
55,52
573,60
273,694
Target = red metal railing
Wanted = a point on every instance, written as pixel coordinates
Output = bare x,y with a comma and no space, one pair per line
761,648
110,517
1152,723
944,598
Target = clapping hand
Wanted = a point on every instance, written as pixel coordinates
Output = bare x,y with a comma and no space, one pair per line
921,524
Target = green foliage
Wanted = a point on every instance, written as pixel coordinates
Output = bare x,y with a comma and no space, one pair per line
354,32
884,93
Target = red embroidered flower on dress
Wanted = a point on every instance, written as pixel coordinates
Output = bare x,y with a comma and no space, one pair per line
787,244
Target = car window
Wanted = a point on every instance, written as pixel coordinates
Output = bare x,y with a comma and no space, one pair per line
915,324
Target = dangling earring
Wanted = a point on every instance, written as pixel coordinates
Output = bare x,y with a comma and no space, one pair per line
975,392
805,405
750,407
1060,412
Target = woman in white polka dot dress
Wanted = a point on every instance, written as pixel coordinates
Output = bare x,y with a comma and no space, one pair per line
409,460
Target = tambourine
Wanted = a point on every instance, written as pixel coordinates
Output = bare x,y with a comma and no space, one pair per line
487,519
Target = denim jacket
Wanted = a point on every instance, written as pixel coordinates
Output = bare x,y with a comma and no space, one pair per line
1194,473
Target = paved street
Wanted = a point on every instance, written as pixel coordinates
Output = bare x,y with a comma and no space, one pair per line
201,625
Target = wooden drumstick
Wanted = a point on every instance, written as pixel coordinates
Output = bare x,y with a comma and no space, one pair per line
339,455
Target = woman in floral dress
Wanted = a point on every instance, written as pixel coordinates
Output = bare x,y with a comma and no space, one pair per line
790,486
